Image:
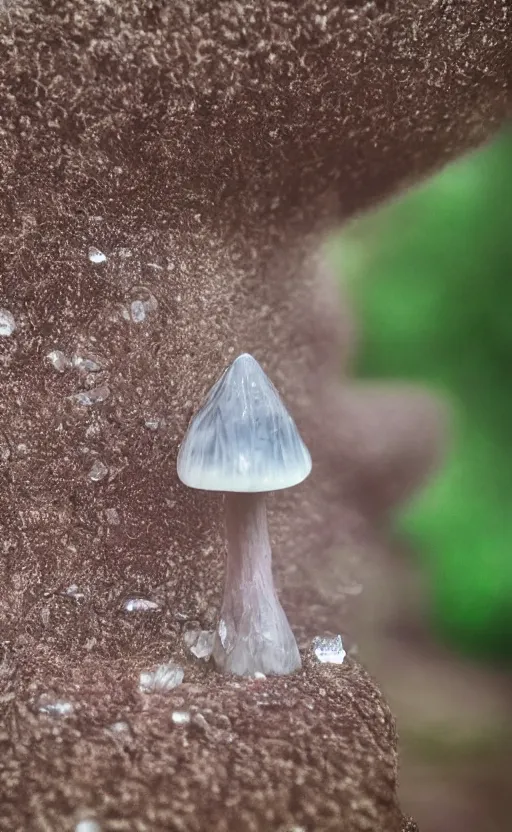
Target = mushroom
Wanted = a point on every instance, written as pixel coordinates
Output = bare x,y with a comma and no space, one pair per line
244,442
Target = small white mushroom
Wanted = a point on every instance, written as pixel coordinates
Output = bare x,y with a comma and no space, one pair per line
244,442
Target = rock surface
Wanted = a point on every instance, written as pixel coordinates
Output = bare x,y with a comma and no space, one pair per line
204,150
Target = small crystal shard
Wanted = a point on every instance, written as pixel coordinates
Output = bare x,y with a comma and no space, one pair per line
329,649
98,471
94,396
164,678
139,605
112,516
95,255
86,365
137,311
200,642
152,424
120,727
180,717
87,825
58,360
55,707
7,323
74,592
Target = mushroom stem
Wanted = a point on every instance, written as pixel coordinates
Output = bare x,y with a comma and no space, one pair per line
253,634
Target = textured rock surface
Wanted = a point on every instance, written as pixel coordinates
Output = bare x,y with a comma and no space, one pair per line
204,149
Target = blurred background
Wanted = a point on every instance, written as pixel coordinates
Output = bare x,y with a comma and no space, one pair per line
429,278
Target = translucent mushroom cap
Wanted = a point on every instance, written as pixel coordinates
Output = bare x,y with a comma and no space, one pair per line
243,438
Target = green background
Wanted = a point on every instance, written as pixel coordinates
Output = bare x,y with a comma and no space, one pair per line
430,278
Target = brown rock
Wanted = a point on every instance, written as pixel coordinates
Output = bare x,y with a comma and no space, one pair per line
206,149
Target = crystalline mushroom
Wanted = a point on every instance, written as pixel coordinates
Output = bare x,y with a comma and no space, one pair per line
244,442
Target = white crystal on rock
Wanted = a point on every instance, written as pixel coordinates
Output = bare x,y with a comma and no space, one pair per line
180,717
87,826
139,605
55,707
95,255
120,727
58,360
95,396
137,311
7,323
152,424
243,439
164,678
329,649
74,592
98,471
200,642
86,365
112,516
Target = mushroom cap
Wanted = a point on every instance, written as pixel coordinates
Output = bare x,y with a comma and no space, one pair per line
243,439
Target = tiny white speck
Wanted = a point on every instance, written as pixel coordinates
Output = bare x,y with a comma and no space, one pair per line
259,675
95,255
152,424
7,323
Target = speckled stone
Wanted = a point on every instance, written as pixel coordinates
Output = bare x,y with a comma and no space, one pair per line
217,143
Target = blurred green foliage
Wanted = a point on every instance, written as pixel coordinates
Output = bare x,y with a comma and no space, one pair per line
430,277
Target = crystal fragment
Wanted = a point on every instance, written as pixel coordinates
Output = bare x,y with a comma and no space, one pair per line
180,717
95,255
74,592
55,707
120,727
139,605
329,649
58,360
259,675
152,424
164,678
200,642
7,323
137,311
87,825
112,516
94,396
98,471
87,365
